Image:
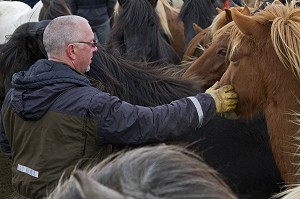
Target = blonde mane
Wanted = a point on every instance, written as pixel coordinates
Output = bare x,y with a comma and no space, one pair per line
160,10
285,33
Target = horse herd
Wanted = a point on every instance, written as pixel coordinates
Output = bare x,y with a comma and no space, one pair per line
164,53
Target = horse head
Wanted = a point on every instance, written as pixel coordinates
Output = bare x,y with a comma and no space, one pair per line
137,34
211,65
251,39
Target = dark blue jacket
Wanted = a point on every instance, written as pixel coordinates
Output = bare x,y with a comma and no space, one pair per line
52,118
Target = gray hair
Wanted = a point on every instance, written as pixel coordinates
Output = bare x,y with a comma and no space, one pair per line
152,172
60,32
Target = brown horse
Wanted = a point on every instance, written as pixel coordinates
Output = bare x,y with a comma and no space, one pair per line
197,45
211,65
264,69
203,37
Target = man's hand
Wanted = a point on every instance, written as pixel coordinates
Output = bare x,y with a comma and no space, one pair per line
225,98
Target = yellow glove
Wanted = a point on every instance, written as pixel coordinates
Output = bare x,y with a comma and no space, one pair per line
225,98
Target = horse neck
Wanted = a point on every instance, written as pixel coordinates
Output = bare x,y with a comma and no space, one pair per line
279,116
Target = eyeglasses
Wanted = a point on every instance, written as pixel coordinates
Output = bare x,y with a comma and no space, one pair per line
93,43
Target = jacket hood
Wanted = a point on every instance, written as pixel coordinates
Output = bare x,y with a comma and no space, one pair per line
35,90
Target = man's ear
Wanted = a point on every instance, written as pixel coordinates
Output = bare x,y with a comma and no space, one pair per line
71,51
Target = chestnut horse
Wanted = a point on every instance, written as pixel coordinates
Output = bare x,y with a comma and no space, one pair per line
210,66
203,37
264,69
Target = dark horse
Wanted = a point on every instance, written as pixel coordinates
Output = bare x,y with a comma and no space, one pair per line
200,12
162,171
137,34
239,150
24,47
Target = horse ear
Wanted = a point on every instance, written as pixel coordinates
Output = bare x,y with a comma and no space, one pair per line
219,10
228,15
246,24
197,28
91,189
246,10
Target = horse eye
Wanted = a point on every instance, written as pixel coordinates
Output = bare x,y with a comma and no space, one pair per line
234,62
222,52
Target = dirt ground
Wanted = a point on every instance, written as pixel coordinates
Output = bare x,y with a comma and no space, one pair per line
5,177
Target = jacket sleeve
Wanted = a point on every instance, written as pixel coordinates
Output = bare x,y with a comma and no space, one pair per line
4,144
119,122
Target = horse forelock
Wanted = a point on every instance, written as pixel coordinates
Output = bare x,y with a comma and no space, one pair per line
226,29
235,39
136,14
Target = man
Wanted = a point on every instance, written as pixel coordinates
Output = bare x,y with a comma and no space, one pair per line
53,117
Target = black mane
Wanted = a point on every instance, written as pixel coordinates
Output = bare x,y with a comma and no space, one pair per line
139,83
